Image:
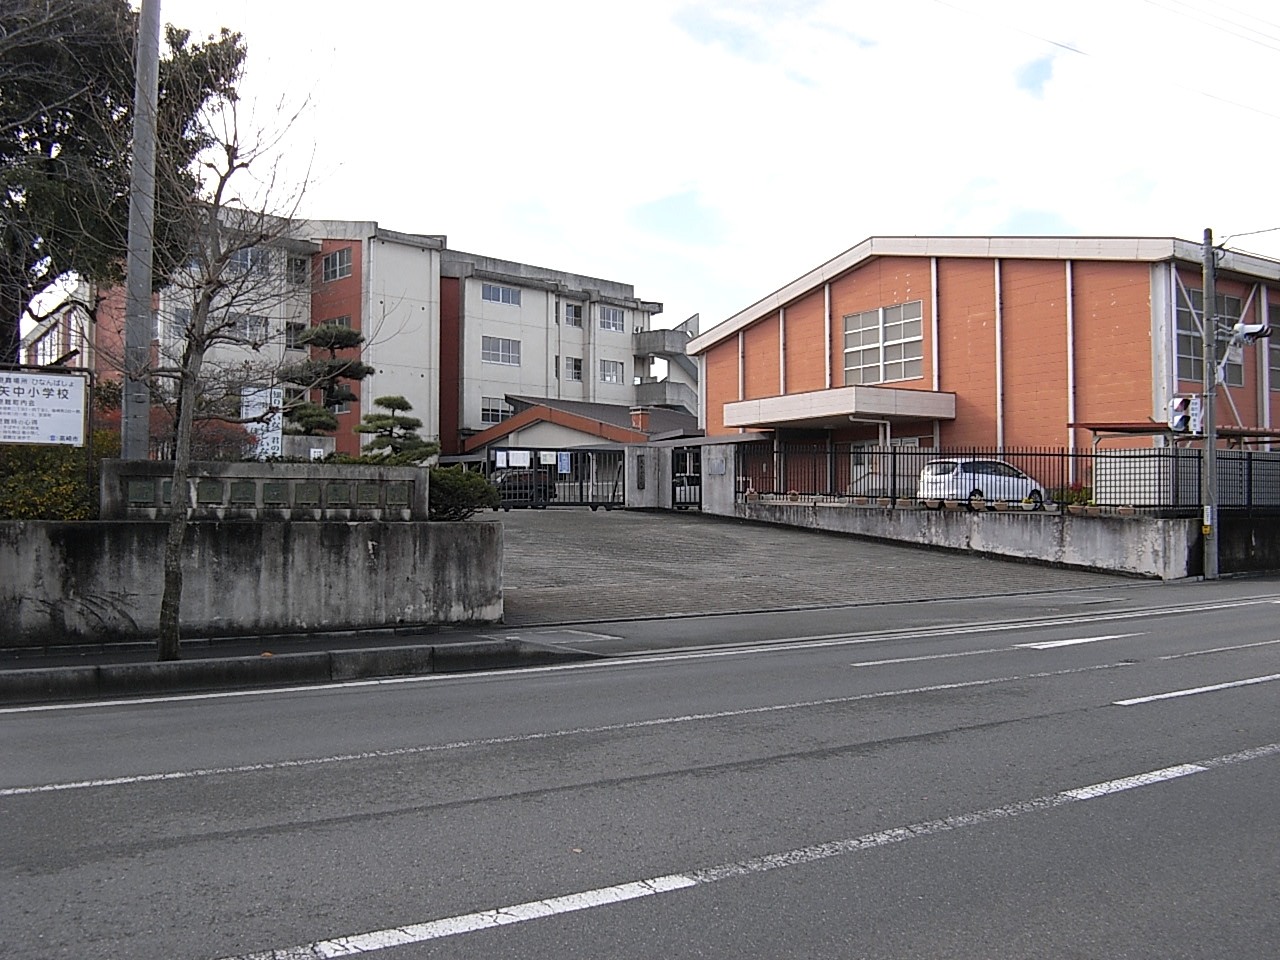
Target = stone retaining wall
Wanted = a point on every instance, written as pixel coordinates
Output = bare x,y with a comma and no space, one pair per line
102,581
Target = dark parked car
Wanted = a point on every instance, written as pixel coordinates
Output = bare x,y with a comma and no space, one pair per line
524,487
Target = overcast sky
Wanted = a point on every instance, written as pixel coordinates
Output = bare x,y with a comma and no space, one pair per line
708,153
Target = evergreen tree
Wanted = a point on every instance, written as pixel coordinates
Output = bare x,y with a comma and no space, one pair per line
395,437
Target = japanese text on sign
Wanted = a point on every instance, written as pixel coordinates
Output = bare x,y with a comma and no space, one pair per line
267,404
46,408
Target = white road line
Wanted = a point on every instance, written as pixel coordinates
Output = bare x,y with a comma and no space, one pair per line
375,940
781,645
1201,653
1051,644
528,737
931,656
1141,780
1194,690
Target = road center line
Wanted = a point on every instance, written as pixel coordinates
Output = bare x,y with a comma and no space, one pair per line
376,940
528,737
1201,653
931,656
1051,644
784,644
1194,690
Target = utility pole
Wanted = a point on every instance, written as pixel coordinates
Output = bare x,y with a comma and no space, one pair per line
135,421
1209,458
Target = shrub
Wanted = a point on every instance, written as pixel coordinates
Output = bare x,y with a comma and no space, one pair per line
52,483
456,493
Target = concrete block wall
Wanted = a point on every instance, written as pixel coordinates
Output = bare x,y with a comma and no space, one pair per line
138,490
102,581
1140,546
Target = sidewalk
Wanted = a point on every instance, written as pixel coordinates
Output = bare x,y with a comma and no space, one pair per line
132,670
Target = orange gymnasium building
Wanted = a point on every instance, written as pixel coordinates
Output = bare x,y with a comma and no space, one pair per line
988,342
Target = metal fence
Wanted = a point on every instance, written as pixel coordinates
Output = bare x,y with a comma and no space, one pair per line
1155,480
529,477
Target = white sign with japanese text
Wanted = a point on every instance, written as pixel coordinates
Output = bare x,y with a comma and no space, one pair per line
45,408
268,432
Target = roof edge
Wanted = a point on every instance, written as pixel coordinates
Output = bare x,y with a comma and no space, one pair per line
1138,249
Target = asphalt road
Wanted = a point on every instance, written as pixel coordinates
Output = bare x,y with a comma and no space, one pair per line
1094,775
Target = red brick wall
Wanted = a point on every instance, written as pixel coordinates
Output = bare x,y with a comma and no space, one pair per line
1034,326
967,351
1112,343
450,365
806,348
341,298
760,352
722,382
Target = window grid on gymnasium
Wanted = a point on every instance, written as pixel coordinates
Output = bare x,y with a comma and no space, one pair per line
885,344
1190,348
1273,344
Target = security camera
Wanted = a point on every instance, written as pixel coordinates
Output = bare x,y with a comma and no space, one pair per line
1249,332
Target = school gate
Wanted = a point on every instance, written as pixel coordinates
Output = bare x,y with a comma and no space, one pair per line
576,477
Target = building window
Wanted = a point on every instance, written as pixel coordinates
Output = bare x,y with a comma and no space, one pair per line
336,322
573,368
1190,348
249,326
181,322
611,318
573,314
1273,345
500,350
336,265
611,371
248,260
494,409
885,344
293,333
299,270
496,293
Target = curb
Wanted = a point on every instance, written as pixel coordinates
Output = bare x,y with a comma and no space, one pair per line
41,684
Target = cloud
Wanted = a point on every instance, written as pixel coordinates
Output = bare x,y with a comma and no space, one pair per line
715,30
681,217
1034,223
1033,76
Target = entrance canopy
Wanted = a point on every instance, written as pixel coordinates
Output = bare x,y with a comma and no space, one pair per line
836,408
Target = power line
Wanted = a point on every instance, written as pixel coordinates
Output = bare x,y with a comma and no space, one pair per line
1213,16
1071,48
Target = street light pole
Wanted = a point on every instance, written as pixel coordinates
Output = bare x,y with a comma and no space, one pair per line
135,420
1209,457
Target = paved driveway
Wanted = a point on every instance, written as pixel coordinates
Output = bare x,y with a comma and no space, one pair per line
566,565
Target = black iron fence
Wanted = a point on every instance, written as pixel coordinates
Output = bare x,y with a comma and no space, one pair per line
1156,480
528,477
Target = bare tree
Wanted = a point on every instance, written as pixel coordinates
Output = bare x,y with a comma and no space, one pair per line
228,334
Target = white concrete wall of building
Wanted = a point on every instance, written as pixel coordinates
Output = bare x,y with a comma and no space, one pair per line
267,294
546,344
401,326
551,436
